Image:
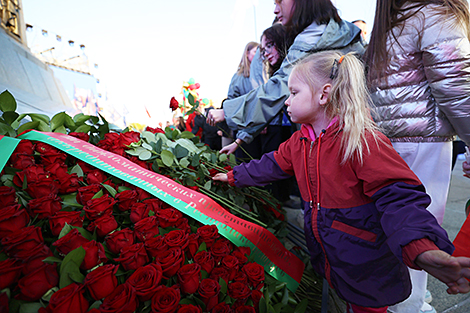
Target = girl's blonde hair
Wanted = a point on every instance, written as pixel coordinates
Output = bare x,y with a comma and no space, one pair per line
244,66
348,98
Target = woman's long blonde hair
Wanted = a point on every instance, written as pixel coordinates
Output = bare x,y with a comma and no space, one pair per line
244,66
348,99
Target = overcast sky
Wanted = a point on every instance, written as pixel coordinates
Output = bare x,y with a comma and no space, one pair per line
146,49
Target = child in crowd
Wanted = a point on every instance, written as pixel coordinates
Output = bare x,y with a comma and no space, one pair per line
365,215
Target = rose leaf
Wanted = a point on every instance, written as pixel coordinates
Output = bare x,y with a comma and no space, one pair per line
167,158
7,102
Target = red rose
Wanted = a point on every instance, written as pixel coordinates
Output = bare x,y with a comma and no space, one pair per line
220,272
155,245
183,224
241,277
34,285
189,276
222,308
133,257
85,193
8,196
177,238
94,255
154,130
171,260
173,104
96,177
109,141
33,258
69,242
205,259
25,146
101,281
166,299
193,245
53,157
154,204
129,137
44,148
32,174
68,299
12,219
126,198
82,136
58,220
69,183
58,170
142,194
145,280
123,300
22,161
230,263
10,271
168,217
120,239
208,234
241,254
220,249
43,188
139,211
239,291
103,225
189,308
97,207
256,296
22,240
86,168
245,309
45,206
209,290
146,228
255,274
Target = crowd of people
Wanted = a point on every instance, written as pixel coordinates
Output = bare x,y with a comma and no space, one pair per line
366,129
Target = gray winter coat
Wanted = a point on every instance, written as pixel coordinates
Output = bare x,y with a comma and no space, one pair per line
425,96
252,112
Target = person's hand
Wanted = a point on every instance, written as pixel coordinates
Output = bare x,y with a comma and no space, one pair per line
219,132
466,169
215,116
220,177
450,270
231,148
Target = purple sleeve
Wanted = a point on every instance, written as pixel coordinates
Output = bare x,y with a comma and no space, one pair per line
405,218
258,172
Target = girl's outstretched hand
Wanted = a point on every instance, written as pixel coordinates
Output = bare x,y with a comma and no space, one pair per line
221,177
215,116
452,271
229,149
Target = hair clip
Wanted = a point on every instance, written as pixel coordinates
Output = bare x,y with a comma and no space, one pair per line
334,69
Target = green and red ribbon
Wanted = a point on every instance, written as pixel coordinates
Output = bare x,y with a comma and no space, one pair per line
266,248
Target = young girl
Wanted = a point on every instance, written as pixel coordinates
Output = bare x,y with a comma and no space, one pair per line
366,211
240,83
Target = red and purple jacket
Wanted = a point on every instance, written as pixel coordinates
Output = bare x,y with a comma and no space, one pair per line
362,216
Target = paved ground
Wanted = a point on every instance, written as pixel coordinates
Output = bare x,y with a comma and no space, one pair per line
454,218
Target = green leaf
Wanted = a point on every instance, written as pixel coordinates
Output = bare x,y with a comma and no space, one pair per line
7,102
27,126
158,146
99,194
181,152
110,189
65,230
52,259
68,122
44,127
262,305
30,307
223,157
39,117
208,185
302,306
184,162
202,247
61,129
148,136
10,116
58,120
77,170
81,118
70,268
223,285
167,158
122,188
191,99
47,296
95,305
7,130
83,128
16,123
187,135
145,155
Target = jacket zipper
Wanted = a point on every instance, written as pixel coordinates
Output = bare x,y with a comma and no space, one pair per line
318,206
